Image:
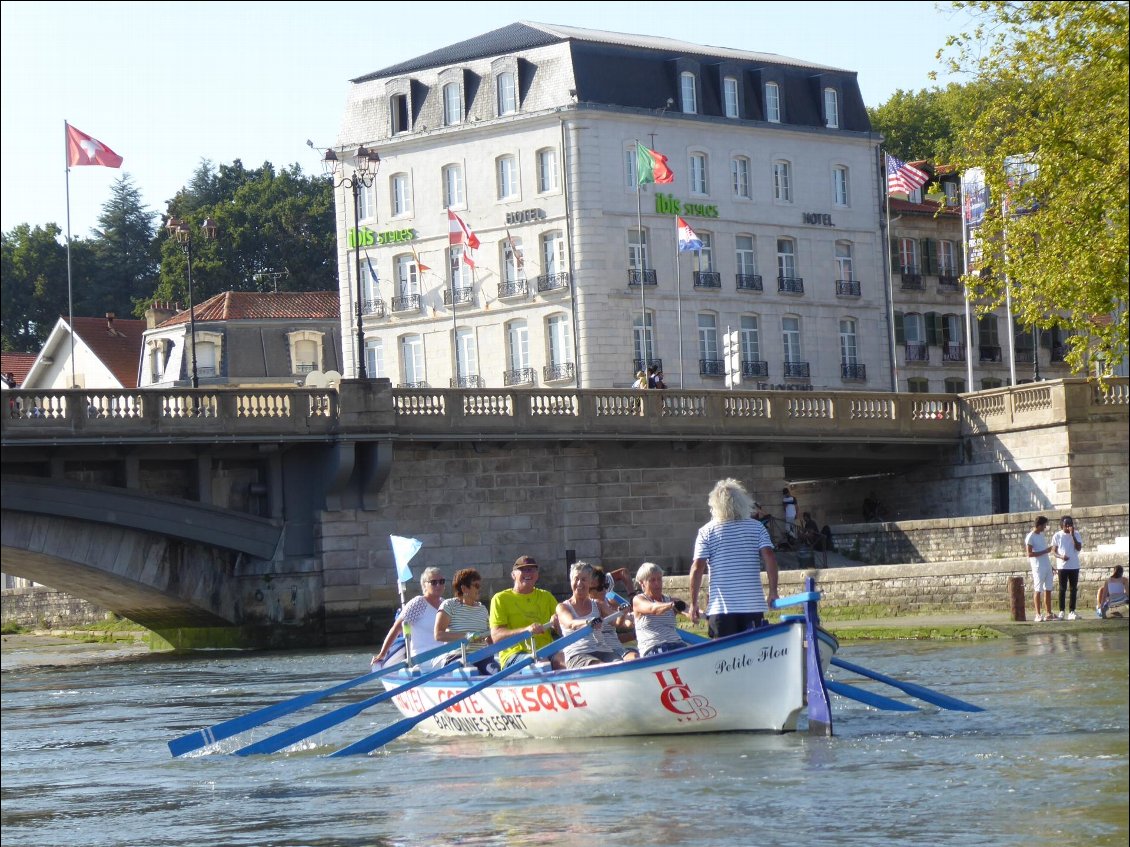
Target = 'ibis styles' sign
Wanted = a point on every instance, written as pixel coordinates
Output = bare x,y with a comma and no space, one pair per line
666,204
365,237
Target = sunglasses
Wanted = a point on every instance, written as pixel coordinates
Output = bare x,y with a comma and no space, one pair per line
437,582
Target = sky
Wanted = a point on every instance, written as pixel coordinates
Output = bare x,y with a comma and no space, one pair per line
167,85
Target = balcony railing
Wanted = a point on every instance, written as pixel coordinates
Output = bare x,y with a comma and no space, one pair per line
754,367
748,282
948,284
990,353
472,381
638,365
559,372
711,367
917,351
553,282
422,384
407,303
517,288
458,296
848,288
305,367
853,371
953,352
205,371
707,279
644,277
790,284
1023,355
911,278
797,370
373,308
519,376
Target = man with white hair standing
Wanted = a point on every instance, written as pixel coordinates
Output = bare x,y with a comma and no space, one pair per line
736,548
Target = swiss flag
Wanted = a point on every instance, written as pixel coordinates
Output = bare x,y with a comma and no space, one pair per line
84,150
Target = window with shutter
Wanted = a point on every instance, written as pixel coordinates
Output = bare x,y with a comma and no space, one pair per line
900,329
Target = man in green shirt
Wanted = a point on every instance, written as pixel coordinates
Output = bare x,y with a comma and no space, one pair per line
523,608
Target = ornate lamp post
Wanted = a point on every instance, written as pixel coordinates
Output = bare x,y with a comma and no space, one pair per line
365,164
181,231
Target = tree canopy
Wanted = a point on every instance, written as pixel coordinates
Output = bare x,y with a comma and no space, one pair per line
1055,79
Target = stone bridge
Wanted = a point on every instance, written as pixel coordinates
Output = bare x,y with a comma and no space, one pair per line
265,512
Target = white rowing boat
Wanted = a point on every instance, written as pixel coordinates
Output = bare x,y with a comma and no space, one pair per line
756,680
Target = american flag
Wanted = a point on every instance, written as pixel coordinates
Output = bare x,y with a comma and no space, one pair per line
903,178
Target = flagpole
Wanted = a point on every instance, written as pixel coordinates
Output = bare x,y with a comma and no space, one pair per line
968,311
70,296
643,269
890,282
679,298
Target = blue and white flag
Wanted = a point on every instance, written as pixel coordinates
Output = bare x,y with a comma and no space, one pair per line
403,549
687,239
374,280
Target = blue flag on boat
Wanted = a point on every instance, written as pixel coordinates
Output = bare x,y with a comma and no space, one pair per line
403,549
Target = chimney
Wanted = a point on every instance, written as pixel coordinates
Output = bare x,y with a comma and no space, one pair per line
110,321
158,313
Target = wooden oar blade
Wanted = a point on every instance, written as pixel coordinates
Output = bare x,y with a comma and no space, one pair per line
942,701
870,698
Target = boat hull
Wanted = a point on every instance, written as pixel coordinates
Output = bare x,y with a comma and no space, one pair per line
751,681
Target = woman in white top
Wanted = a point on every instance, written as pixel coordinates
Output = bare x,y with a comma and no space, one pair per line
655,613
1112,593
420,615
576,613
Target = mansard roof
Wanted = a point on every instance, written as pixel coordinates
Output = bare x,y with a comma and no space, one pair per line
255,305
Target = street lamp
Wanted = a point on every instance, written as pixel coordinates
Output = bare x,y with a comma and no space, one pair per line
181,231
365,164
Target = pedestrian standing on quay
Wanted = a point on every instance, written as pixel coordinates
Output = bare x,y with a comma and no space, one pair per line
1066,545
1036,544
736,548
788,501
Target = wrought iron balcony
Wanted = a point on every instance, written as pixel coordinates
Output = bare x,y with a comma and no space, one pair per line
472,381
559,372
911,278
642,277
519,376
848,288
953,352
373,308
990,353
553,282
422,384
203,371
853,371
754,367
517,288
707,279
638,365
790,284
748,282
305,368
407,303
459,296
797,370
917,351
1024,355
948,284
711,367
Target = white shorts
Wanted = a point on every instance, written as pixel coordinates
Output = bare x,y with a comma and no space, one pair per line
1042,577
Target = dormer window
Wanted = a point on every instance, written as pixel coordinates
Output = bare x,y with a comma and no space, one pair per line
831,108
730,96
507,93
398,111
452,104
689,93
772,102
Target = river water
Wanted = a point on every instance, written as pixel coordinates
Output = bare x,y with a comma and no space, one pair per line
85,762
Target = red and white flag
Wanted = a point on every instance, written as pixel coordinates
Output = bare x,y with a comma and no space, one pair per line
84,150
461,233
515,251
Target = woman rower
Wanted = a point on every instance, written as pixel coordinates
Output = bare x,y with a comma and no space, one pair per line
576,613
464,615
655,613
420,615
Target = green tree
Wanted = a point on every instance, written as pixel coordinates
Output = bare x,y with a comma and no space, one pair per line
125,267
925,124
33,291
1056,75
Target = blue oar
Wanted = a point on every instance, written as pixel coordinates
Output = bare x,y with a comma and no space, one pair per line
943,701
218,732
390,733
288,737
869,697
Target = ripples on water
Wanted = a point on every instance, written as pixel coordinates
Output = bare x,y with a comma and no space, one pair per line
85,763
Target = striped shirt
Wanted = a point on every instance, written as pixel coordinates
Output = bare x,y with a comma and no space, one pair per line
653,630
465,618
733,553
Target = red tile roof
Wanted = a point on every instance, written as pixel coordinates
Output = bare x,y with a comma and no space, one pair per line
117,345
926,207
254,305
16,364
